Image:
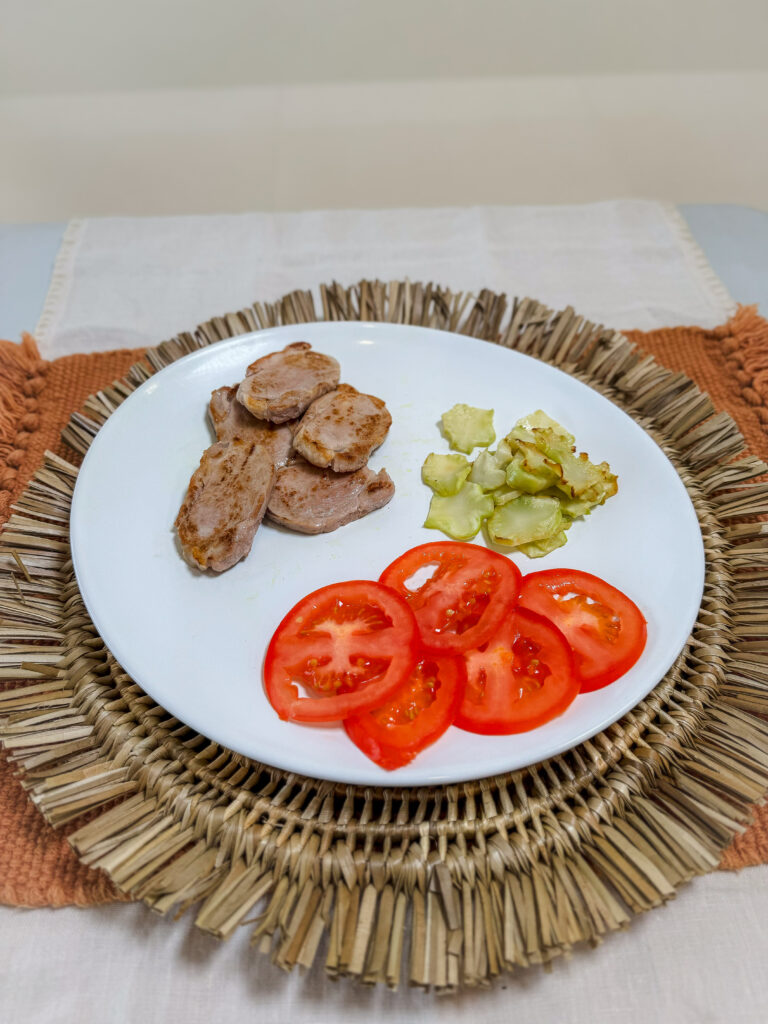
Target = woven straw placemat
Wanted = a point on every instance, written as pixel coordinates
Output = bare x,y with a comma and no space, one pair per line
446,886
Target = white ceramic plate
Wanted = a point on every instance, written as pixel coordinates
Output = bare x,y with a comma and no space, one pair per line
195,642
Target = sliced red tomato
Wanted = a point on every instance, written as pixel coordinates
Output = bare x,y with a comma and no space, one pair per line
416,715
520,679
604,627
349,645
458,592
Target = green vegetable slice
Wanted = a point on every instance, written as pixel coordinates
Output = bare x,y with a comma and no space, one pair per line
579,478
526,519
486,472
521,478
535,482
555,445
467,427
537,463
539,420
539,548
571,507
503,454
445,474
462,514
504,494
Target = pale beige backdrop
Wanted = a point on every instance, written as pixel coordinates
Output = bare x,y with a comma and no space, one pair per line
186,106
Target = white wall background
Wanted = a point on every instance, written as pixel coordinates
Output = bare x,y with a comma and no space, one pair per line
171,106
94,45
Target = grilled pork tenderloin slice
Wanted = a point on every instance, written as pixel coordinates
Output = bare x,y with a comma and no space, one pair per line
232,421
312,500
224,504
280,386
341,429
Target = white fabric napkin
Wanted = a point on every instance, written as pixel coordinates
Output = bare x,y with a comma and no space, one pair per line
129,282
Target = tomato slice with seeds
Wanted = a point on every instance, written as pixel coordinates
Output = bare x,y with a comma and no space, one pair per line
459,592
604,627
416,715
349,645
520,679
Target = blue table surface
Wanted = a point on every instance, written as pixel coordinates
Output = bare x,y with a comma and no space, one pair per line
734,239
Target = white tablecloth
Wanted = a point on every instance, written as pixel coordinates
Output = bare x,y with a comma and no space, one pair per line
699,960
125,283
133,282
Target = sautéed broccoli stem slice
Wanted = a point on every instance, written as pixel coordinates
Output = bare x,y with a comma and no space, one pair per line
526,493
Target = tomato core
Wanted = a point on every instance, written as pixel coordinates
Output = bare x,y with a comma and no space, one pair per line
348,646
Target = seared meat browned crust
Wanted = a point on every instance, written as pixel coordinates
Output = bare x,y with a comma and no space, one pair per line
225,502
280,386
341,429
231,421
312,500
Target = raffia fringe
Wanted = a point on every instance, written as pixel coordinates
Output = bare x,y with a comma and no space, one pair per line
450,886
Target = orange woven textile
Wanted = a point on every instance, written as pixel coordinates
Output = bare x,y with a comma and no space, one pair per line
37,866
